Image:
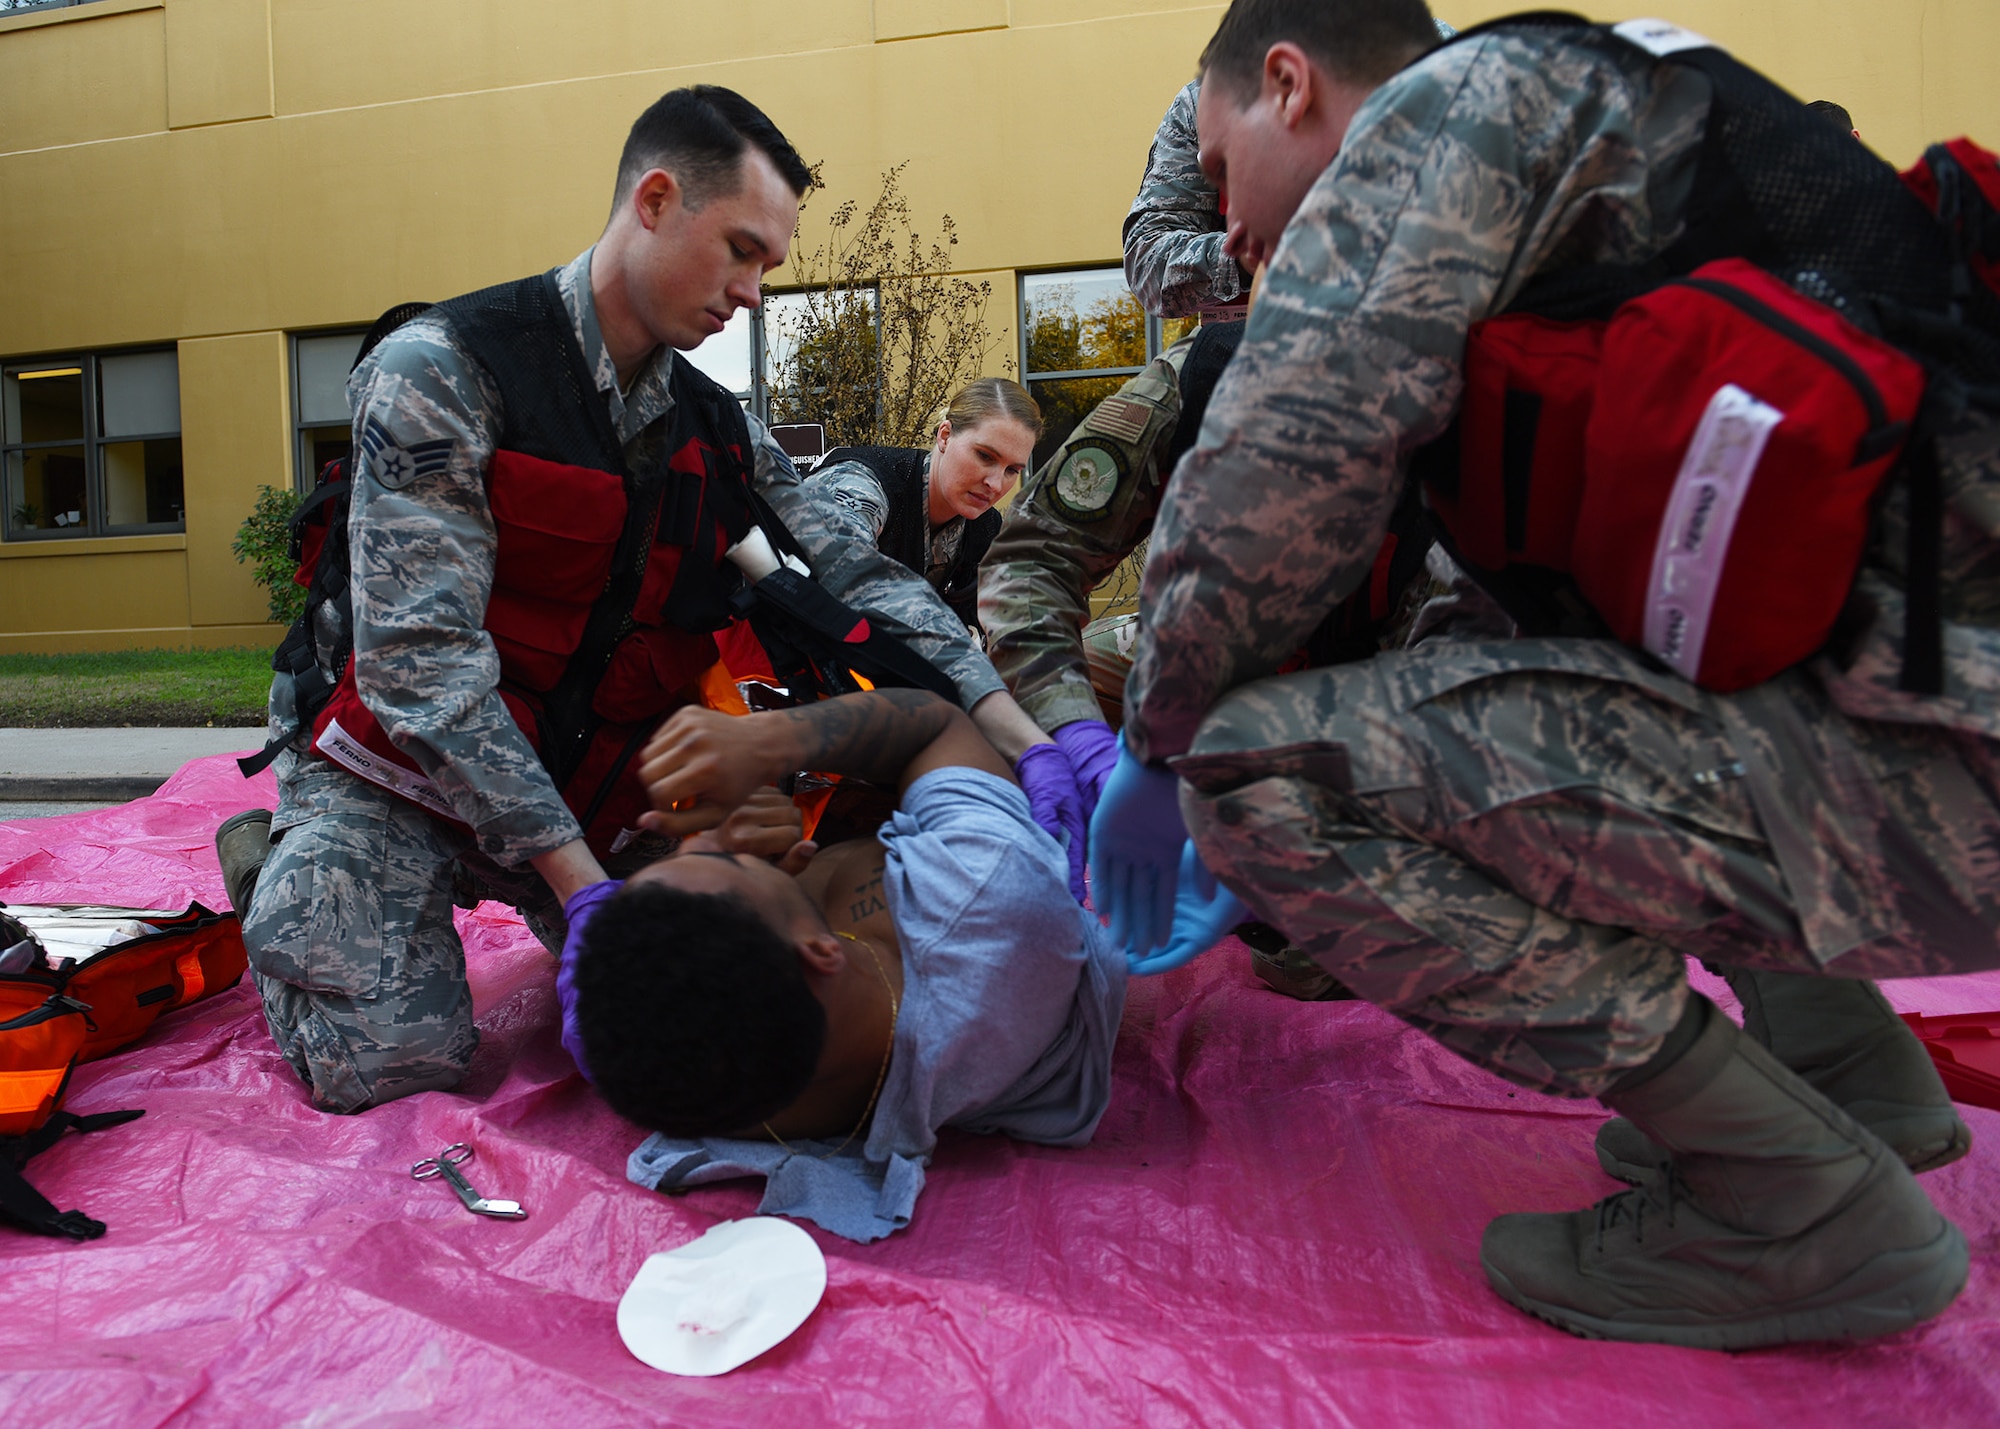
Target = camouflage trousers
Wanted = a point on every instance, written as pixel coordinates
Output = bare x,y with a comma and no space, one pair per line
1107,651
351,939
1513,845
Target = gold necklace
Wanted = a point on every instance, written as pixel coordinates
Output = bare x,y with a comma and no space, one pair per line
881,1076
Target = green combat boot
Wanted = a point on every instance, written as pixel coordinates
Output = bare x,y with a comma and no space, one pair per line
1842,1036
1284,968
1777,1219
242,843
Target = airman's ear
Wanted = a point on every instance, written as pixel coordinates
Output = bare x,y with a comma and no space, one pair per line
651,196
1289,80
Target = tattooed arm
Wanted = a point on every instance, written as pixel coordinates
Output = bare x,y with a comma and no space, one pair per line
702,765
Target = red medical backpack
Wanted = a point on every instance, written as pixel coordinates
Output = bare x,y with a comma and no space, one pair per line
1714,448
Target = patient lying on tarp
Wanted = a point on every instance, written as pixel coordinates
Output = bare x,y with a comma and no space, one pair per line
818,1024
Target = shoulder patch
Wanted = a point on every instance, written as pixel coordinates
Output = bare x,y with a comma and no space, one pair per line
395,464
1087,480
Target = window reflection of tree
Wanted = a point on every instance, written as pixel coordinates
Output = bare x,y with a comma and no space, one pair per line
827,362
1110,333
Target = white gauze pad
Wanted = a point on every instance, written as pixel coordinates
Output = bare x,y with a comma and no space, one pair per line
722,1299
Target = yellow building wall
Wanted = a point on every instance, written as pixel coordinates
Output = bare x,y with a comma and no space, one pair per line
220,173
1911,72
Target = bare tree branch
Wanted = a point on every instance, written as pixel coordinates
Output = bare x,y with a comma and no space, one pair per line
885,334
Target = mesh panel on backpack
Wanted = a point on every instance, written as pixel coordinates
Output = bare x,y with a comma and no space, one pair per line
1774,184
1803,200
1827,204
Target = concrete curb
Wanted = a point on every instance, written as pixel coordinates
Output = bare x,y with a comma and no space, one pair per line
77,789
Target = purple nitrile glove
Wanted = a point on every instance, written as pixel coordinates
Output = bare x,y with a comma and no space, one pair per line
1092,748
577,911
1056,804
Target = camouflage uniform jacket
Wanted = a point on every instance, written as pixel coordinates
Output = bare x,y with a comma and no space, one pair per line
1086,510
859,490
1173,235
421,534
1477,168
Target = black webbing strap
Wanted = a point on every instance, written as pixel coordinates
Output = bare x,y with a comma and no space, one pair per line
310,687
31,1210
845,634
1213,346
28,1207
321,494
1923,610
252,765
1520,424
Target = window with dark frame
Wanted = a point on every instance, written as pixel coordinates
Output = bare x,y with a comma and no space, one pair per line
745,356
1083,334
323,426
90,445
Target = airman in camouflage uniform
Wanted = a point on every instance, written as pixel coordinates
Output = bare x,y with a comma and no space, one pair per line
350,928
1088,509
1514,845
1174,261
856,492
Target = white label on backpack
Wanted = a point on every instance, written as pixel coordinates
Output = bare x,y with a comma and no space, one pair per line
358,759
1662,37
1693,543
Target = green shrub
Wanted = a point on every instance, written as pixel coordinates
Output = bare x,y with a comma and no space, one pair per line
265,541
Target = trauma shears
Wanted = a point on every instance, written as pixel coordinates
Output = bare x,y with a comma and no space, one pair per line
446,1164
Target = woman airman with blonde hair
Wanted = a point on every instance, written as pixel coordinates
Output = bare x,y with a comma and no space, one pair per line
933,509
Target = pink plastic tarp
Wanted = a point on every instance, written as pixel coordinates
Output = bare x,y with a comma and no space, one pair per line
1278,1224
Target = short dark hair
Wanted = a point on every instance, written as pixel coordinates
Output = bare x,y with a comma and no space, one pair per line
1827,109
1360,41
699,135
694,1012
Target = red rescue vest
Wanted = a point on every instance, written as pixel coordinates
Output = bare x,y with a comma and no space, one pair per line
557,528
611,579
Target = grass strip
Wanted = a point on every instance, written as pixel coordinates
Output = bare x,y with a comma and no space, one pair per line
176,688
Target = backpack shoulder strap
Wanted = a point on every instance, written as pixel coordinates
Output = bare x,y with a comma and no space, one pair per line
28,1207
1213,346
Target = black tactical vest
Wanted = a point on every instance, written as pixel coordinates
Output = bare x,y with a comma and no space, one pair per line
904,534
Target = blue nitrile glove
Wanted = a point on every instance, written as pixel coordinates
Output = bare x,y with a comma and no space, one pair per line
1203,911
577,911
1135,853
1092,748
1056,804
